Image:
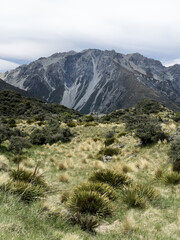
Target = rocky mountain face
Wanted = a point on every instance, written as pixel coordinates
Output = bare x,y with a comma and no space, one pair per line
98,81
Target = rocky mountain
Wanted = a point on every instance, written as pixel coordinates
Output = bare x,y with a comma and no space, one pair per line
98,81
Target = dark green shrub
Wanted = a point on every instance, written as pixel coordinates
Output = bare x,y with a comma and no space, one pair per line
5,132
109,151
148,106
17,144
122,134
26,191
71,124
90,202
133,199
30,121
17,159
28,177
50,134
139,195
149,132
11,121
102,188
110,134
174,154
87,223
89,118
40,123
177,117
110,177
109,141
65,196
171,178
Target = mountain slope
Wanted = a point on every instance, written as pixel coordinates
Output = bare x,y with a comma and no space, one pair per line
6,86
98,81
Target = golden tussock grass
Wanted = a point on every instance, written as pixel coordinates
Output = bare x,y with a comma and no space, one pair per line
29,163
98,165
84,160
4,178
62,166
64,178
70,163
128,225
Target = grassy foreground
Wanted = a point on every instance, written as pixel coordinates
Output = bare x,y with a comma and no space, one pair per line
66,165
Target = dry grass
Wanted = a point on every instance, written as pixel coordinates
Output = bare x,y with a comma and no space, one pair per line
62,166
128,225
64,178
98,165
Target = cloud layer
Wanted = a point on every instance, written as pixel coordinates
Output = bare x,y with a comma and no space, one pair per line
6,65
31,29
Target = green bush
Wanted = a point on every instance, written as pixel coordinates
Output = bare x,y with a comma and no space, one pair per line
109,141
17,159
27,177
90,202
133,120
139,195
5,132
102,188
87,223
110,177
71,124
171,178
122,134
109,151
17,144
89,118
149,132
26,191
149,106
174,154
177,117
50,134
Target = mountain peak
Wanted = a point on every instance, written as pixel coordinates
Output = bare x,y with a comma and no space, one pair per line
94,80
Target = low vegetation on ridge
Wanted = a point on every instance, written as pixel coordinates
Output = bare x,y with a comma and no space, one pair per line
89,177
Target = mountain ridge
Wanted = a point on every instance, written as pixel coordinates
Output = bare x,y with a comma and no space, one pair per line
98,81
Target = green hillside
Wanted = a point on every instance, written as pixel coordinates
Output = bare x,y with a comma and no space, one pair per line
110,177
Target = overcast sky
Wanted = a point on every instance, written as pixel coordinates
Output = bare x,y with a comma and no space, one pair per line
30,29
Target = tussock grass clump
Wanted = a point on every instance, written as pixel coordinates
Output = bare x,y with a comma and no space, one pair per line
62,166
102,188
90,202
65,196
113,178
99,165
139,195
26,191
159,173
27,177
64,178
171,178
86,222
174,154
